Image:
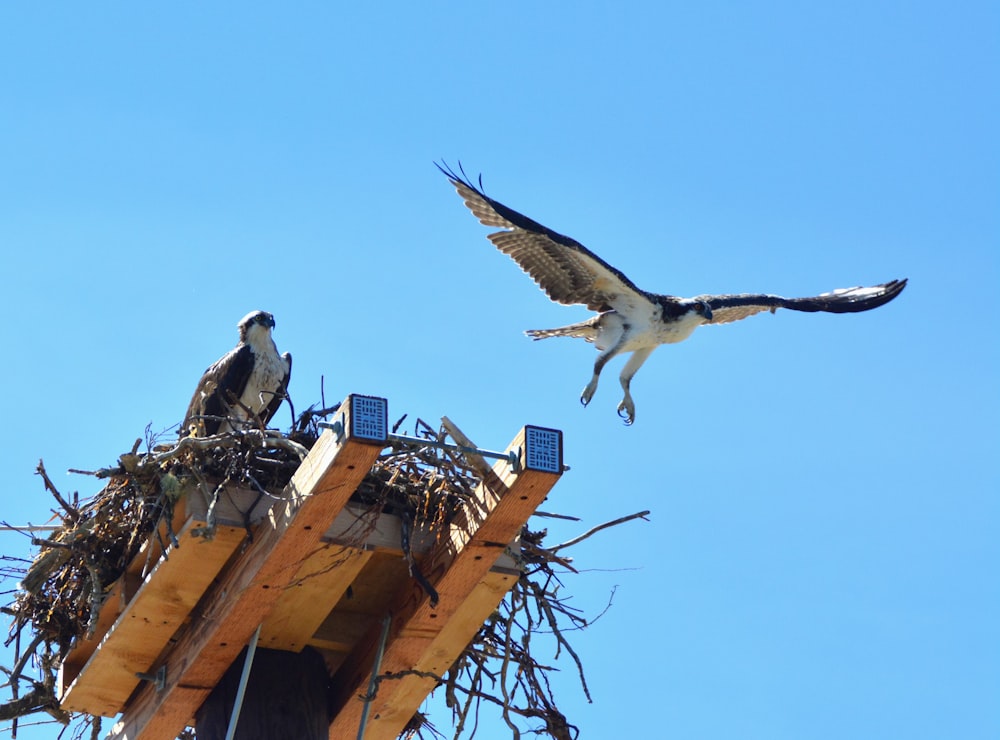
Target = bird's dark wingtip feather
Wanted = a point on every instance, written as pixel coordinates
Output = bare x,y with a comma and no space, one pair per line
446,169
854,303
893,288
456,178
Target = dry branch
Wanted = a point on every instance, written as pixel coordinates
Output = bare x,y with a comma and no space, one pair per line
599,527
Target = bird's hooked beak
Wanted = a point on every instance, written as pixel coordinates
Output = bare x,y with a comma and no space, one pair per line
705,310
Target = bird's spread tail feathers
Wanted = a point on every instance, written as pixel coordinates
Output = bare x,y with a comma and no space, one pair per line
584,330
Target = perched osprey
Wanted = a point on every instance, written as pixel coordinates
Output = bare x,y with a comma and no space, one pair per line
250,380
629,319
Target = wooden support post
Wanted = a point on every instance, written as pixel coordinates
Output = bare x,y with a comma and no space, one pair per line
459,569
248,589
285,698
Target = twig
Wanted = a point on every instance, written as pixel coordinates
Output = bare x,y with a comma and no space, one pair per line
30,528
598,528
505,665
72,511
15,672
550,515
96,592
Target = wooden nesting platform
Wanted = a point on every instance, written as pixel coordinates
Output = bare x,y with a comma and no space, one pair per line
318,571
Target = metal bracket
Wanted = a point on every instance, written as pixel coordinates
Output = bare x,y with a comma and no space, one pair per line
336,426
368,420
544,449
158,679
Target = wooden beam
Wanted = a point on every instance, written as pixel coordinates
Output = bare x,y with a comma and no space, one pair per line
390,716
459,568
248,589
312,593
324,577
150,619
120,594
114,604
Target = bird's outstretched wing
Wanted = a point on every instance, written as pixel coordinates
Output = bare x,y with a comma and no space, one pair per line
566,270
726,308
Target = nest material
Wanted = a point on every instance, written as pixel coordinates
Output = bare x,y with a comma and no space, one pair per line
63,588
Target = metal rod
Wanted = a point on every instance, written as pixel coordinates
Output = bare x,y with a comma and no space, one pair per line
373,681
511,457
158,679
337,427
244,677
406,439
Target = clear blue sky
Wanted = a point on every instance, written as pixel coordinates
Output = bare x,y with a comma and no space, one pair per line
821,560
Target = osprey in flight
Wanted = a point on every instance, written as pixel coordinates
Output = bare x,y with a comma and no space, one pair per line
250,380
629,319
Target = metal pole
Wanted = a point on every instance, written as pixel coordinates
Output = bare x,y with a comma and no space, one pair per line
244,677
512,457
373,682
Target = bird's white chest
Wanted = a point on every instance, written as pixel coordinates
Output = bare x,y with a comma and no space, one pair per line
671,332
644,329
269,371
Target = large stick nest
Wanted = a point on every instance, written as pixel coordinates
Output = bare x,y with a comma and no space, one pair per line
62,589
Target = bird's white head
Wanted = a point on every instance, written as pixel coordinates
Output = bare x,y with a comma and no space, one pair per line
701,308
255,323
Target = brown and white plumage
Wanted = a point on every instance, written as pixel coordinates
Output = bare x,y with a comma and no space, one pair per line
251,380
629,319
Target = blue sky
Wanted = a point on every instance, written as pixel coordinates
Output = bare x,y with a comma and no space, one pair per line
821,556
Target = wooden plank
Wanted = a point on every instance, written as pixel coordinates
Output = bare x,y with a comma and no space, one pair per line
372,595
389,717
312,594
325,575
248,589
355,526
458,567
115,601
150,619
118,597
359,526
